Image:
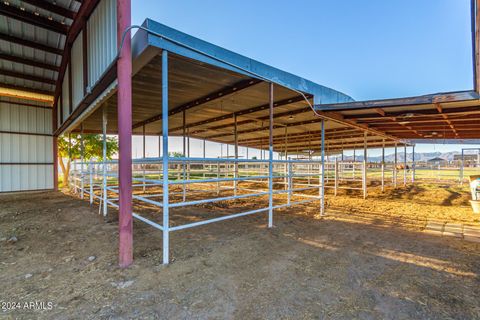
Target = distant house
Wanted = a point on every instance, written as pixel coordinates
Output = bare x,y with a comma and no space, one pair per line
468,159
437,160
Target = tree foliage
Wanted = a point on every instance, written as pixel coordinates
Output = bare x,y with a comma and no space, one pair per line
93,146
70,148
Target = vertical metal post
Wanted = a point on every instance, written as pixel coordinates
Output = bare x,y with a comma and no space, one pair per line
82,160
184,186
364,172
354,160
90,172
104,158
383,165
165,156
322,170
290,182
461,168
204,154
235,171
413,164
395,168
335,172
144,156
124,101
285,180
55,160
404,165
270,159
204,148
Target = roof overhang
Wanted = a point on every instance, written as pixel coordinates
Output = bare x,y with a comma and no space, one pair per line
451,115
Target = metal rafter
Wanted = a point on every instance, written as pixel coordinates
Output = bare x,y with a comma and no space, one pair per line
30,18
242,113
26,76
52,8
198,102
30,44
29,62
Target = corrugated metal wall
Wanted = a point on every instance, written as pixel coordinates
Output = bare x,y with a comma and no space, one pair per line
102,39
26,157
65,96
100,53
77,71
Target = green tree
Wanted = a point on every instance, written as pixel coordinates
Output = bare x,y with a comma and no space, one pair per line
175,154
93,148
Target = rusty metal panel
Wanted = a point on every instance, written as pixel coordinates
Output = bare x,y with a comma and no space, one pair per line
26,154
102,39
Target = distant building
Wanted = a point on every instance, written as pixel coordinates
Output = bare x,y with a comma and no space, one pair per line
437,160
468,159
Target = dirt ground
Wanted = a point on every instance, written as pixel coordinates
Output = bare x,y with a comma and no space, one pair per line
368,259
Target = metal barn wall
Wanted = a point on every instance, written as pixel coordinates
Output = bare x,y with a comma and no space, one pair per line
102,39
76,64
65,96
100,52
26,157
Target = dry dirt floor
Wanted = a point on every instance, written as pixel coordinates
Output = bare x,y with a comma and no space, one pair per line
367,259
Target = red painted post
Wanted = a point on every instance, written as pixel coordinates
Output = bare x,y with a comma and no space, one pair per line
124,74
55,164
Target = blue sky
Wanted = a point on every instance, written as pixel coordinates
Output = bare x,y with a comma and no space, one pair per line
367,49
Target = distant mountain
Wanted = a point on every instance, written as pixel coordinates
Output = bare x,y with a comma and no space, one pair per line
419,156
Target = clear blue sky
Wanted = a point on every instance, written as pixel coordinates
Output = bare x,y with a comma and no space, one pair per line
367,49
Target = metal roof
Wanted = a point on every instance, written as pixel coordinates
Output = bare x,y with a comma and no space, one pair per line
32,40
451,115
214,86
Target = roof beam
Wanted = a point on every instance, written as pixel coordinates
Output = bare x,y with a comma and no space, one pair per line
205,99
415,113
30,18
439,109
399,102
241,113
31,44
29,62
294,135
32,90
14,74
52,8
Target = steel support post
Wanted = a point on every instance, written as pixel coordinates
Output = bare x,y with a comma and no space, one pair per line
285,180
235,170
461,168
165,156
124,101
270,158
336,175
184,186
395,168
144,156
90,172
405,165
364,171
383,165
322,170
82,160
204,154
354,160
290,182
55,164
104,158
413,164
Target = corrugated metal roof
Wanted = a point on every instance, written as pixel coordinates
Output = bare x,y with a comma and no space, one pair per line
19,29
